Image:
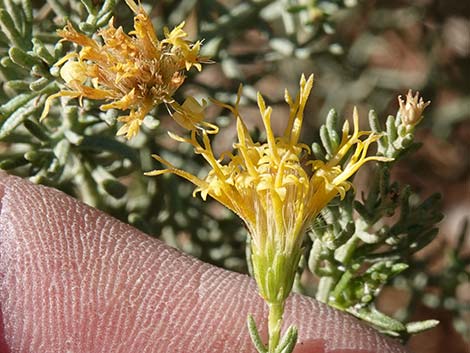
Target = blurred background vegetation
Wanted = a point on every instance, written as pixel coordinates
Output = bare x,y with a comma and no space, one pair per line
363,53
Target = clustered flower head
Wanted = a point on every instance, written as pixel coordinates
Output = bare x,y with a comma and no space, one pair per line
275,187
134,72
411,110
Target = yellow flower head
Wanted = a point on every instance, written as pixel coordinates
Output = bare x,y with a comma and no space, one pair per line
134,72
411,110
274,187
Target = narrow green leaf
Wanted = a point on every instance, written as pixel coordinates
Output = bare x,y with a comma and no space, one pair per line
288,342
87,187
325,139
109,183
106,8
12,162
55,167
41,51
87,27
58,50
73,137
15,13
61,151
36,130
318,151
379,319
28,19
89,6
39,84
314,258
332,126
374,122
17,85
420,326
324,287
37,155
391,129
40,70
114,188
27,10
4,40
11,117
102,143
9,29
402,130
344,252
255,336
425,239
10,70
104,19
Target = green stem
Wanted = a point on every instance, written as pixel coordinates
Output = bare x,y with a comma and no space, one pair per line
274,325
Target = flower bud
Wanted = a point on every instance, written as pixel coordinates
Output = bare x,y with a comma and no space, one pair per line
411,110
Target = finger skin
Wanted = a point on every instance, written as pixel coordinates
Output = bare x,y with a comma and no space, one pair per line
75,280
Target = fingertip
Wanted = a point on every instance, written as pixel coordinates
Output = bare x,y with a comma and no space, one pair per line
160,298
3,175
3,344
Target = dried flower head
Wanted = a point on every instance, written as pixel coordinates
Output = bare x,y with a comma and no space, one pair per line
411,110
134,72
275,188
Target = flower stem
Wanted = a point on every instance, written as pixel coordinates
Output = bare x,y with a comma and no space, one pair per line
274,325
